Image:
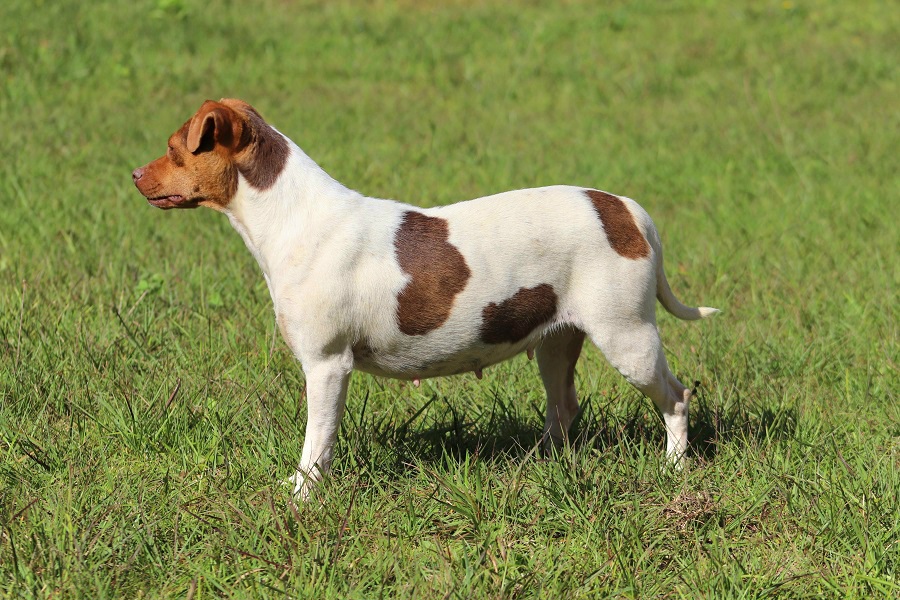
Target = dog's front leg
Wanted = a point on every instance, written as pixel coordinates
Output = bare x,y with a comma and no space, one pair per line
326,395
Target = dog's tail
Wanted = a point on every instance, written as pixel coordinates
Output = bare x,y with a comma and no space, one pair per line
672,304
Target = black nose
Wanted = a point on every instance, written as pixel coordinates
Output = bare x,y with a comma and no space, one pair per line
137,174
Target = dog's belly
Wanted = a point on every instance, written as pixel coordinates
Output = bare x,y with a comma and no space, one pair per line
415,362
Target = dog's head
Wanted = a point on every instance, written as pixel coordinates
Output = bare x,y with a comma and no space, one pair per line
224,141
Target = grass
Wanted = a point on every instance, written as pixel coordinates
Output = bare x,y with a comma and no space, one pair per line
148,409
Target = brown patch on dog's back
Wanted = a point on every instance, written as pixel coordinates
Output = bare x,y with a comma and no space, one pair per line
513,319
618,223
437,269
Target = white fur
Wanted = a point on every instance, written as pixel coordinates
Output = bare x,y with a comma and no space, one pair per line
329,259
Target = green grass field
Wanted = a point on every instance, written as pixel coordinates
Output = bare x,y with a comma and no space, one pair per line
149,409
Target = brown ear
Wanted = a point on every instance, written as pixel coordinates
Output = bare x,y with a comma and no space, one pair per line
213,124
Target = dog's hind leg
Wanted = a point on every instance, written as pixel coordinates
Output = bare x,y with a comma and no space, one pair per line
637,353
556,356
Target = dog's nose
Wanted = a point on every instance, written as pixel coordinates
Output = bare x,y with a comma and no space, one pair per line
137,174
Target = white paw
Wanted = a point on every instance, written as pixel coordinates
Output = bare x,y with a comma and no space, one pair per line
300,486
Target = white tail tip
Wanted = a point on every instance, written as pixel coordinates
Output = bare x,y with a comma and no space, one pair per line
706,311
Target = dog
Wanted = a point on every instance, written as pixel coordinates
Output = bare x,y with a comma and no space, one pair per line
400,291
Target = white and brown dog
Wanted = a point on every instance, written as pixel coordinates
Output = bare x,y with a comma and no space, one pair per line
401,291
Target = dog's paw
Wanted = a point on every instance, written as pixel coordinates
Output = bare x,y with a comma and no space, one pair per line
675,465
299,485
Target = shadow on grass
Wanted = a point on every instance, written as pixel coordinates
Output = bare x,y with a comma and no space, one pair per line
712,425
504,430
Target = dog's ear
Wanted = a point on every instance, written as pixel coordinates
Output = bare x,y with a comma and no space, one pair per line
213,124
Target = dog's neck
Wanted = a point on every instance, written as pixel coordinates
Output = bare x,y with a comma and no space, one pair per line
278,223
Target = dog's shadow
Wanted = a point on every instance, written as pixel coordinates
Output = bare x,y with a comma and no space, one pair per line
713,425
507,430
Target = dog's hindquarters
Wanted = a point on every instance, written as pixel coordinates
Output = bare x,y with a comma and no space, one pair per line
617,306
637,353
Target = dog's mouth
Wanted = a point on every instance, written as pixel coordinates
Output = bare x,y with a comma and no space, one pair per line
174,201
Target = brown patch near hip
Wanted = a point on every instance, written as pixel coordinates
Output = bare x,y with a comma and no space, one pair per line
437,269
264,151
513,319
618,223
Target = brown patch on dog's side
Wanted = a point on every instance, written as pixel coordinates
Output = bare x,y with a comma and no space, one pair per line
513,319
265,151
437,269
618,223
